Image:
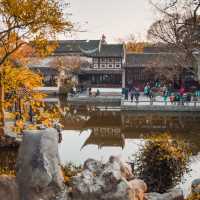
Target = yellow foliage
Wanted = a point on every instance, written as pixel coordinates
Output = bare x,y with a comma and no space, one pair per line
22,21
70,170
194,197
135,47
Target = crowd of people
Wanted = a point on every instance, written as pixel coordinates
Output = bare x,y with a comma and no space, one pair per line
166,91
151,90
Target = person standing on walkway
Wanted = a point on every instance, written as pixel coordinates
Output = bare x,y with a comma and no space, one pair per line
132,93
157,83
165,96
126,94
137,95
197,93
90,92
195,99
151,96
188,98
147,89
177,98
181,92
172,98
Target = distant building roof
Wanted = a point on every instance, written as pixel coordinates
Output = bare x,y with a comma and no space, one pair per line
77,46
158,48
147,59
90,46
110,50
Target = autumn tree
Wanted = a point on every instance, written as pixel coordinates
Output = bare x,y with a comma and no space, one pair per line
133,45
23,21
162,161
178,30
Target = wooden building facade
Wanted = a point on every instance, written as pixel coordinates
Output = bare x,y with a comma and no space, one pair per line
105,69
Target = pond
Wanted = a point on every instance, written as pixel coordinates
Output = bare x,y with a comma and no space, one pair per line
93,132
96,132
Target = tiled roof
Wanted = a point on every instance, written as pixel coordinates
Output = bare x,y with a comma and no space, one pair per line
76,46
90,45
110,50
159,47
147,59
68,46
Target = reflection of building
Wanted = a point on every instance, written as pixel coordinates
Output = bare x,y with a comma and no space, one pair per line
113,128
106,130
105,137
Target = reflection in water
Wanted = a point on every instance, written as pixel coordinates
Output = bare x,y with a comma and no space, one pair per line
92,133
100,134
8,161
105,137
113,128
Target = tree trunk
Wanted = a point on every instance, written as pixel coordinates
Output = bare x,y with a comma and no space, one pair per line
2,114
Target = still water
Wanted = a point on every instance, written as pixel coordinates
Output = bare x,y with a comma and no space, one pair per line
95,132
91,132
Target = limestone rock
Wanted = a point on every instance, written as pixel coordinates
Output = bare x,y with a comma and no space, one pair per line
196,186
174,194
107,181
38,166
93,165
138,188
8,188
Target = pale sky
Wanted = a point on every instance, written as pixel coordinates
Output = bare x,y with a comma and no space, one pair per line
114,18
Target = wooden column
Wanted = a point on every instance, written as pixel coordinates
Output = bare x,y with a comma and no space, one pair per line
124,78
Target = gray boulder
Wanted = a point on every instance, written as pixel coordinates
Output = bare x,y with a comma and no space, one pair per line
39,174
195,186
174,194
105,181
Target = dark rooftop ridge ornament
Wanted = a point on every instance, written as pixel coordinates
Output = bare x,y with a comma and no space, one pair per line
103,39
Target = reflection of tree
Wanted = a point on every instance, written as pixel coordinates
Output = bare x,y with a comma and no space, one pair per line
77,116
8,161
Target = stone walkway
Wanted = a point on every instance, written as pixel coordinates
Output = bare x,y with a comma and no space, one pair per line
144,104
145,101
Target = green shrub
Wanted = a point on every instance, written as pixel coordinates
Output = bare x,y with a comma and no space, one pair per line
161,162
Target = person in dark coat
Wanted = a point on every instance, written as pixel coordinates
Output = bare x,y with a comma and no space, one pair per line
137,95
132,93
126,93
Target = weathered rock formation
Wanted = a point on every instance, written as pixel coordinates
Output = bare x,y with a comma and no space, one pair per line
39,176
38,166
196,186
107,182
8,188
